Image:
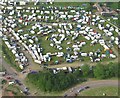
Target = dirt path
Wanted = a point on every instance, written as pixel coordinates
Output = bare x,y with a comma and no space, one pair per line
92,84
78,64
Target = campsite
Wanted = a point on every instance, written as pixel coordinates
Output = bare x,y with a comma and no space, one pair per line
53,46
58,34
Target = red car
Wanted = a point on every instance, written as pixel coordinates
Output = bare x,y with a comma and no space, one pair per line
9,77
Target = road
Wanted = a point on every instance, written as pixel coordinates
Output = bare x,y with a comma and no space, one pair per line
13,73
92,84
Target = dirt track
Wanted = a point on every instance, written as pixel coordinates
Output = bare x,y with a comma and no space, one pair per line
92,84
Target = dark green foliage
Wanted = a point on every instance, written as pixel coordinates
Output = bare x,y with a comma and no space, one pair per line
113,5
90,7
85,70
47,81
106,71
99,72
4,81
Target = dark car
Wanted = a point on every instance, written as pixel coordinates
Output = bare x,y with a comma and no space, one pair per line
18,82
24,72
26,93
9,77
86,87
33,72
65,95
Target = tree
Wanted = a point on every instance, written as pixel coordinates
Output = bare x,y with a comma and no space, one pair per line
116,69
90,7
78,73
99,71
47,81
85,70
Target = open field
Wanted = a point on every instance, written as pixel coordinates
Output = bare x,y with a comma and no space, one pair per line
98,91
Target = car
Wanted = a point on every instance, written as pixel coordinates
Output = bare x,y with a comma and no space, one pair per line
9,77
26,89
65,95
23,72
26,93
86,87
11,82
33,72
18,82
81,89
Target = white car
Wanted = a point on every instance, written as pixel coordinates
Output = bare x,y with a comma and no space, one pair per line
11,82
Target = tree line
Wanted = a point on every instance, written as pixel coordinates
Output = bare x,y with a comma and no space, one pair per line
101,71
47,81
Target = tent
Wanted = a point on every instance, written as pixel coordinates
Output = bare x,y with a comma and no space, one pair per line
107,52
56,62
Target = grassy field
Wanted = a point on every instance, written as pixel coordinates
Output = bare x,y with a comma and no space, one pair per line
113,5
9,57
1,66
1,54
14,89
109,91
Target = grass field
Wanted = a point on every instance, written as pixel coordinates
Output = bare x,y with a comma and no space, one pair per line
1,54
9,56
114,5
109,91
14,89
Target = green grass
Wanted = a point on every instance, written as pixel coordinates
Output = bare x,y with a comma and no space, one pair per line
108,90
0,47
1,68
115,22
111,21
14,89
9,57
113,5
88,48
